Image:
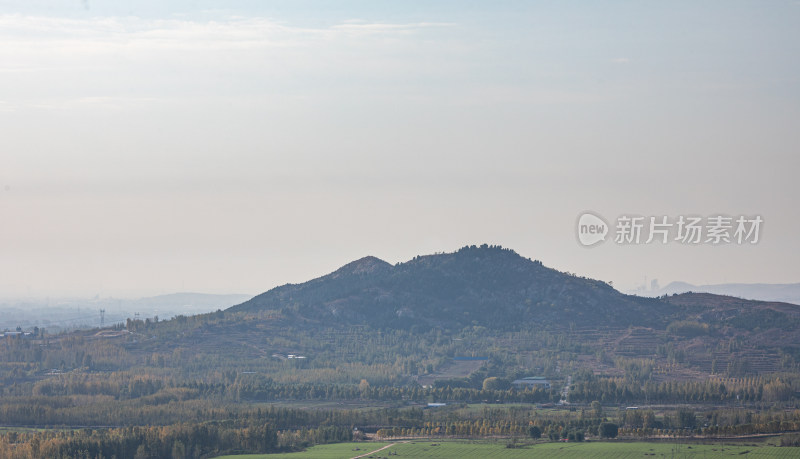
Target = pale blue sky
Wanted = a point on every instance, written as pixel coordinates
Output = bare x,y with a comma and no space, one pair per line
150,147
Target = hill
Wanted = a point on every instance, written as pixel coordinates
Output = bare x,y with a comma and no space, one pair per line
404,323
787,293
184,302
486,295
488,286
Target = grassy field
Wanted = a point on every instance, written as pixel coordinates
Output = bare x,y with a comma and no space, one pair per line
483,449
335,451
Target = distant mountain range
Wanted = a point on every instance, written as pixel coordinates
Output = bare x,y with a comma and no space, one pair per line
787,293
187,302
57,314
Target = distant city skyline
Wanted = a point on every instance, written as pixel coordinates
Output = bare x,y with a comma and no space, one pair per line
158,147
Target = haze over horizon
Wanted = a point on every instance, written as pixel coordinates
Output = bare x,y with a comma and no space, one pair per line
156,147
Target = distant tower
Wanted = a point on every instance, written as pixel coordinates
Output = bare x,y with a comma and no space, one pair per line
102,317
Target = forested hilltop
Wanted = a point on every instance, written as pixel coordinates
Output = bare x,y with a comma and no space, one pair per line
486,286
386,340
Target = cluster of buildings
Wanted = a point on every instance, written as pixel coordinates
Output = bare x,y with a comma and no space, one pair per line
531,382
17,334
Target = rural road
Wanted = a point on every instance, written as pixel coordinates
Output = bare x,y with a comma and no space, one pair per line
565,391
373,452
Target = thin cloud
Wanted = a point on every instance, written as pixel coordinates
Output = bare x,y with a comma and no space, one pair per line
110,56
381,26
232,33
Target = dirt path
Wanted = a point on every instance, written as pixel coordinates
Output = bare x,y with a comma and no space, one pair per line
379,449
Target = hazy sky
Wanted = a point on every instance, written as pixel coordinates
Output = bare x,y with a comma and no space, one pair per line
157,146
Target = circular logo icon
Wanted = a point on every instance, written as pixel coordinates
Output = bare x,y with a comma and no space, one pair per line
592,229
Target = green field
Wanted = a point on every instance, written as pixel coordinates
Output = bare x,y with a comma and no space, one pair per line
483,449
334,451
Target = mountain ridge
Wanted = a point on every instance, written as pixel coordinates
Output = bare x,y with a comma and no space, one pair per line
787,293
476,285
